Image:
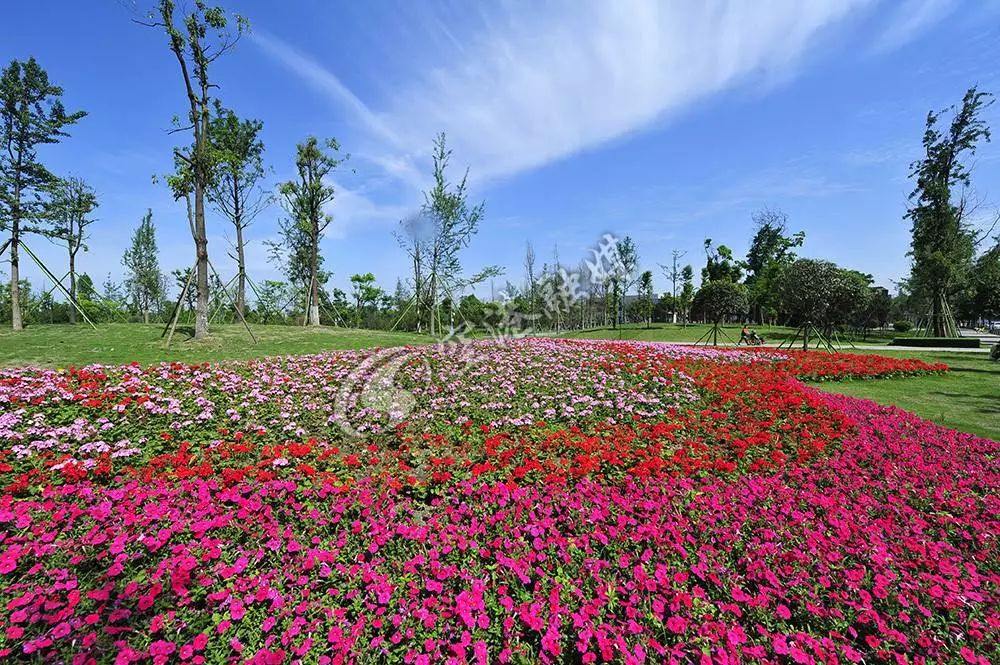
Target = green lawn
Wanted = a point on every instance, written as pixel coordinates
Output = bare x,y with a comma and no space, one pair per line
61,345
967,398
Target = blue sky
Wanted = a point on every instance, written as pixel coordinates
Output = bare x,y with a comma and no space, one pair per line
667,121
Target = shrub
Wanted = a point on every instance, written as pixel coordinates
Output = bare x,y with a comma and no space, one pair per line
902,325
995,352
953,342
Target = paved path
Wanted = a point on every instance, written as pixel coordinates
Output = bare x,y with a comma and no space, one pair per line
848,348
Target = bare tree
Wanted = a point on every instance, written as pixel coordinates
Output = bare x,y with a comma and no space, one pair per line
673,273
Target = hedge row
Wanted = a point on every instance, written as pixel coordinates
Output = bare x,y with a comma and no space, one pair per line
953,342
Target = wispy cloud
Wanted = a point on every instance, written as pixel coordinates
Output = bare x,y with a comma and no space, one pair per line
909,20
325,82
531,87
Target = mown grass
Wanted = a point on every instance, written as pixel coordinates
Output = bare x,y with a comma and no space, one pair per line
62,345
967,398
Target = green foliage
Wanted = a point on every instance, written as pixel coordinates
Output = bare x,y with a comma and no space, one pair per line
821,292
31,114
305,200
366,294
646,296
449,225
984,285
879,307
85,287
952,342
771,250
70,207
995,352
850,298
943,244
144,282
719,300
238,166
686,296
720,264
903,325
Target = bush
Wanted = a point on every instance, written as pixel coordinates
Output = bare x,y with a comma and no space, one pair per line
953,342
995,352
902,325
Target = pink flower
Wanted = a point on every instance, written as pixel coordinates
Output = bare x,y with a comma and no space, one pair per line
161,648
677,624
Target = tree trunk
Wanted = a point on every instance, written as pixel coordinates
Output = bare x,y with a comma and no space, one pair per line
72,287
938,316
433,293
15,286
314,281
241,274
201,253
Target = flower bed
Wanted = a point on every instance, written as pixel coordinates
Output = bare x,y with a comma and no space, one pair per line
540,500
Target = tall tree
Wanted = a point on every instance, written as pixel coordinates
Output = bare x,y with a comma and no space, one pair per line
626,265
31,114
451,224
143,280
673,273
365,293
985,285
235,189
72,202
720,265
305,199
943,243
197,40
530,278
646,295
686,296
771,249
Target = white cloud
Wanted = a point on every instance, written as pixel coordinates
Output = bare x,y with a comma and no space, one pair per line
911,18
353,210
325,82
535,86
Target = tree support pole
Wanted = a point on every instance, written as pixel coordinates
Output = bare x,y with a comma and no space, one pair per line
408,306
218,307
177,308
228,295
58,283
